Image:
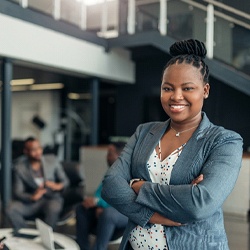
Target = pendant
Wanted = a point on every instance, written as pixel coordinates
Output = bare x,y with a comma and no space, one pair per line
177,134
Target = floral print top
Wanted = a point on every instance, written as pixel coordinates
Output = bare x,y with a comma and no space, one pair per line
154,238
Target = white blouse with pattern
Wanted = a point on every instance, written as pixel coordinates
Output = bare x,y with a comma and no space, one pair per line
160,172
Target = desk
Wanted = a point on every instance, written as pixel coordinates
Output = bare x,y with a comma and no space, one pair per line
15,243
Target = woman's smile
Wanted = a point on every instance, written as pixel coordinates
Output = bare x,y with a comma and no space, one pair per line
177,107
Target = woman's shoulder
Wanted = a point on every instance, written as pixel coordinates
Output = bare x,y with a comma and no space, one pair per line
209,129
152,125
221,133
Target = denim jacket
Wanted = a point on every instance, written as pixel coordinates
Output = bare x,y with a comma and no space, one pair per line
212,151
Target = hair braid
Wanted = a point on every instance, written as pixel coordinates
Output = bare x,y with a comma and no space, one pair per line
192,52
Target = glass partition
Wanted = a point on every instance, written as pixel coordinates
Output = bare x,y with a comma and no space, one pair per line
71,12
44,6
241,48
102,17
183,20
147,17
189,20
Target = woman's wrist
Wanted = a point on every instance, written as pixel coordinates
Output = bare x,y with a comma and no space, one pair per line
132,181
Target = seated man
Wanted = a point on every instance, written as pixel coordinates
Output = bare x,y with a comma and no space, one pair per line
94,214
38,182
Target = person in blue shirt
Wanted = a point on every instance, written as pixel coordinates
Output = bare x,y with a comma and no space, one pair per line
94,215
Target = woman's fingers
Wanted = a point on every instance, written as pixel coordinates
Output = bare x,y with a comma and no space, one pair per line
197,180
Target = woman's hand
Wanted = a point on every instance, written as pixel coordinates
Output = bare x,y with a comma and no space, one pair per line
197,180
137,185
159,219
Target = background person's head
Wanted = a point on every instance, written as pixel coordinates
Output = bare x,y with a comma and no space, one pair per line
32,149
185,81
114,150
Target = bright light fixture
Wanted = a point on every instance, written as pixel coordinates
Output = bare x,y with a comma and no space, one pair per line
93,2
79,96
20,88
20,82
46,86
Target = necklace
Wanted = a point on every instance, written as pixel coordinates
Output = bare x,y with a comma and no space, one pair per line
177,134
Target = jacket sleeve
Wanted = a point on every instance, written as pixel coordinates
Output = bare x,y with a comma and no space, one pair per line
188,203
61,175
19,188
116,190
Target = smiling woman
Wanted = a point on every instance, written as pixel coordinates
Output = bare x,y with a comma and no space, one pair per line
182,170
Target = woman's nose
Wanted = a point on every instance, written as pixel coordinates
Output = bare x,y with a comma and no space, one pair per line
177,95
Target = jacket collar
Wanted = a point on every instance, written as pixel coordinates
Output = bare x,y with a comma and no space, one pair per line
189,152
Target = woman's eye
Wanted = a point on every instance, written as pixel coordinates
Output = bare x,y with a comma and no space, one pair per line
167,89
188,88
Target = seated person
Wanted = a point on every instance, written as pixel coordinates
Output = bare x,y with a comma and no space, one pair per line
94,214
38,182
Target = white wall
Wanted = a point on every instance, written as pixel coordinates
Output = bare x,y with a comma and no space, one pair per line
237,202
94,165
35,44
25,105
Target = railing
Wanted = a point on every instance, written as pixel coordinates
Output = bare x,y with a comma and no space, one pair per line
225,30
101,17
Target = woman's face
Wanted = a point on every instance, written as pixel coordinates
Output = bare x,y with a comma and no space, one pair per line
183,92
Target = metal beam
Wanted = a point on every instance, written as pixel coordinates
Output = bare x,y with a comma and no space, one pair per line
6,152
210,31
95,111
131,17
163,17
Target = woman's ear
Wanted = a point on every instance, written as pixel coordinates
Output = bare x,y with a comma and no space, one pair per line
206,90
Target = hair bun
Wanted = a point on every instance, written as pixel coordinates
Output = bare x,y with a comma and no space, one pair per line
188,47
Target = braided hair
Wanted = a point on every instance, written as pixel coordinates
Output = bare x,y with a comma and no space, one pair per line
191,52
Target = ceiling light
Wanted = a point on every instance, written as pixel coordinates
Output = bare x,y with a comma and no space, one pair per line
18,82
79,96
93,2
21,82
46,86
20,88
